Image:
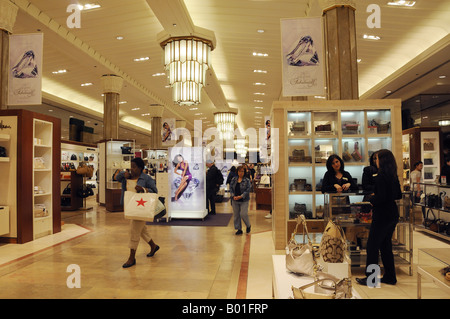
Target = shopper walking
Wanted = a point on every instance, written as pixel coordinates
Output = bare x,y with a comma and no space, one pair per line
336,179
137,181
384,218
240,188
214,179
416,177
232,173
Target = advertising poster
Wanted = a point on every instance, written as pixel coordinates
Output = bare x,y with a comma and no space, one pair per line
168,131
187,182
25,69
302,56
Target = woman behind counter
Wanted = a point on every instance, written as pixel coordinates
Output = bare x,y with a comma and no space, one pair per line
336,179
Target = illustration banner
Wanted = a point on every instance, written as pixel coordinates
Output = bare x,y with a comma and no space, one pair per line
25,69
302,56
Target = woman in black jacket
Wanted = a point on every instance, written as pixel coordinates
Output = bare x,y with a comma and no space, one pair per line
368,178
384,218
336,179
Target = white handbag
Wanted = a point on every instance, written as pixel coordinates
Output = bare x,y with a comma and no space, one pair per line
300,258
142,206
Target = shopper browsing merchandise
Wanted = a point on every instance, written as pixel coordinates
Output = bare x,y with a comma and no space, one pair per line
445,171
240,188
368,178
384,218
336,179
416,177
214,179
137,181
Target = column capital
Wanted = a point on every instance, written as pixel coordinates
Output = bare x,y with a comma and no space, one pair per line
8,15
112,83
156,111
330,4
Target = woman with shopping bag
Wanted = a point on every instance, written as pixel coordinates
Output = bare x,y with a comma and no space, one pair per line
138,182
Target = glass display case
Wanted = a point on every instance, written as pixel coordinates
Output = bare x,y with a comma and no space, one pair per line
434,264
355,217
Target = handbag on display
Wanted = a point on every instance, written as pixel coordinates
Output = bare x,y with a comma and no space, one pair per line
428,146
346,155
427,161
85,170
300,258
333,245
356,154
2,152
325,287
67,190
142,206
126,149
429,222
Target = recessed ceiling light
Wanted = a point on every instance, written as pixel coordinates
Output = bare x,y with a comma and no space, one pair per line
259,93
442,76
141,59
123,102
258,101
258,112
158,74
260,54
89,6
146,114
50,110
119,37
401,3
358,60
136,109
259,107
388,92
260,31
193,108
259,83
86,84
259,71
371,37
59,72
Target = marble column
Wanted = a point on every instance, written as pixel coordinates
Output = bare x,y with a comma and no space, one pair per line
340,48
156,141
112,85
8,14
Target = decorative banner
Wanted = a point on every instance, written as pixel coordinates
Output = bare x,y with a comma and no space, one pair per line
25,69
167,131
302,56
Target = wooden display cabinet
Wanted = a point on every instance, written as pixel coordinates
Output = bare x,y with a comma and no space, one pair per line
31,177
309,132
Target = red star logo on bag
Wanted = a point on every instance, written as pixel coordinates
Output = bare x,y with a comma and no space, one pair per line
141,202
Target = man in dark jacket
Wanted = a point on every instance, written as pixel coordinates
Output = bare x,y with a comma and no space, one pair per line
214,179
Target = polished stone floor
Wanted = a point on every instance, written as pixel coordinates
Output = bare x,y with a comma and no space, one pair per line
193,262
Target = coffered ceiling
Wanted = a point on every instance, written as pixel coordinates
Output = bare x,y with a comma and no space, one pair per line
408,60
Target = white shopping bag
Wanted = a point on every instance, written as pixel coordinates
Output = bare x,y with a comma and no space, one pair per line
142,206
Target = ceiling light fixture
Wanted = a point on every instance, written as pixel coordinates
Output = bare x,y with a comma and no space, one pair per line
158,74
259,83
136,109
59,72
259,93
258,101
119,37
89,6
260,31
401,3
225,122
442,76
86,84
141,59
259,71
260,54
186,61
371,37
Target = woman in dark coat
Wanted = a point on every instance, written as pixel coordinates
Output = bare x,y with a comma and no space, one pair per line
336,179
384,218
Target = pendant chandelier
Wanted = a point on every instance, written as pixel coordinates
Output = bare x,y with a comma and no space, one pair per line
225,124
186,61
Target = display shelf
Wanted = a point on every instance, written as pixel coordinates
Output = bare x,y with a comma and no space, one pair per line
30,184
113,155
316,134
431,263
439,223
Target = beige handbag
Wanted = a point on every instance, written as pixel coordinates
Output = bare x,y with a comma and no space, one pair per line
300,258
333,245
327,287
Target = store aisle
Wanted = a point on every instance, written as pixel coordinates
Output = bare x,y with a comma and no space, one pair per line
193,262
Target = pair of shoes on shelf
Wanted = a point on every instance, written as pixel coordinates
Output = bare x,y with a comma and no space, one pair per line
151,254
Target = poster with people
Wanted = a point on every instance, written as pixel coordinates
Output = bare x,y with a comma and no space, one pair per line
187,182
167,131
